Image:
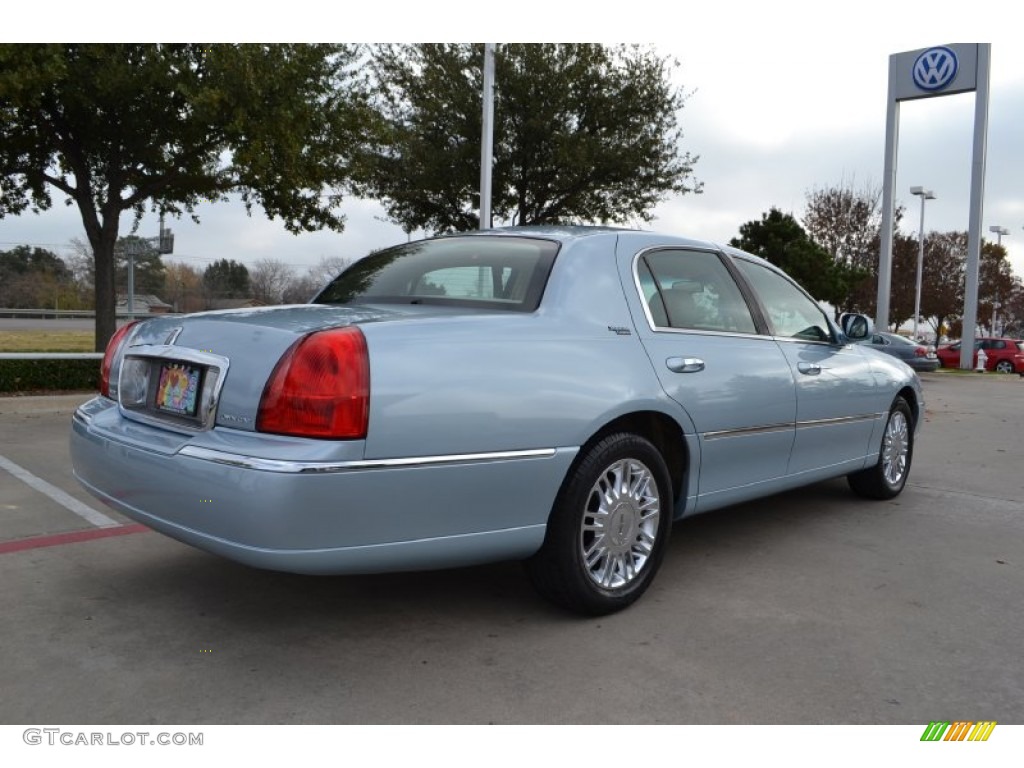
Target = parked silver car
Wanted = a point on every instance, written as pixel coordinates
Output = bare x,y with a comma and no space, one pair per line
558,395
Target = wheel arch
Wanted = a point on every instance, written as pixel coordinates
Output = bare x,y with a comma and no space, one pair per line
908,394
661,430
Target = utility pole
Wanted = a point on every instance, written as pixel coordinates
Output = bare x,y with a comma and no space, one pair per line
163,243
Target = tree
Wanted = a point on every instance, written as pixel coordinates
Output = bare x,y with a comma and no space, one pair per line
903,280
942,278
780,239
34,277
183,288
225,279
1012,311
117,128
328,268
301,289
582,133
995,282
81,263
24,259
269,279
82,267
847,222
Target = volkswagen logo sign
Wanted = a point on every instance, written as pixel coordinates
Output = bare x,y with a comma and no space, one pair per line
935,69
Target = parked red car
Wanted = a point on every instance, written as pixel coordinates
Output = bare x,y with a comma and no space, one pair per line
1004,355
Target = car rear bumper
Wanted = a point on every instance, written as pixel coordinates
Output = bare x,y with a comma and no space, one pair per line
318,517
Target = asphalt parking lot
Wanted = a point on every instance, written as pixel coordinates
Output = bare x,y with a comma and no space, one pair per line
809,607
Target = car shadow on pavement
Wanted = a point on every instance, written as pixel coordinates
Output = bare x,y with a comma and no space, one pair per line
204,585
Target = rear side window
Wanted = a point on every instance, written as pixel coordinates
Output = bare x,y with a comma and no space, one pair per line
692,290
489,272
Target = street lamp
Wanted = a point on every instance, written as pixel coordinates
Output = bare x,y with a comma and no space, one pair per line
1000,231
924,194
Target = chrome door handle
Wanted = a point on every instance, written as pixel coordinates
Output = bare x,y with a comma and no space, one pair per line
811,369
685,364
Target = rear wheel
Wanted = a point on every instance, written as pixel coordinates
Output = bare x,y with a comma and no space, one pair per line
607,532
885,480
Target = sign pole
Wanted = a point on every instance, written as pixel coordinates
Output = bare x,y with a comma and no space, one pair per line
926,73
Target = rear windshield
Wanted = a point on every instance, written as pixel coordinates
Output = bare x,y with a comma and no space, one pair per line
488,272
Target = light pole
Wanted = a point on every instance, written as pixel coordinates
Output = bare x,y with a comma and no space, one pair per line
1000,231
924,194
487,140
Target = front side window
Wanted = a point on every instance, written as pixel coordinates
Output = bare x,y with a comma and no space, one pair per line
490,272
692,290
791,312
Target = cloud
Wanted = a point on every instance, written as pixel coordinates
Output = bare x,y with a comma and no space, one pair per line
786,97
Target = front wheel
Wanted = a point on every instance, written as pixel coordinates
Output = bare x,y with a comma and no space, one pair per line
885,480
1004,366
607,531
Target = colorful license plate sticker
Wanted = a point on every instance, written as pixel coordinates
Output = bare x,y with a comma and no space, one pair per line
178,389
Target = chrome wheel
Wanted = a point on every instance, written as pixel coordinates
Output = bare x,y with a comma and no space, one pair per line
1004,366
895,449
886,478
620,524
608,527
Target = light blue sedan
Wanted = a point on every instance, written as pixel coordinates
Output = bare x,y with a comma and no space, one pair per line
559,395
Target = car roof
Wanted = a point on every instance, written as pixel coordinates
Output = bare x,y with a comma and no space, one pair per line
565,233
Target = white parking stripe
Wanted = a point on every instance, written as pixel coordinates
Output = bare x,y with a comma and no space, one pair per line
68,502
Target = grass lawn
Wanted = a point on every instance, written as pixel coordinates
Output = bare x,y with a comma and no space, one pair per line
47,341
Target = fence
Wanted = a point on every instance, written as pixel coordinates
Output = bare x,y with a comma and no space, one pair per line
54,314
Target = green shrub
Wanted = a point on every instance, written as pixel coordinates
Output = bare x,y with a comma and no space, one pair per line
35,375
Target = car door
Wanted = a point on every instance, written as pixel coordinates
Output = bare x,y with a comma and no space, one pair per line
995,350
837,398
711,358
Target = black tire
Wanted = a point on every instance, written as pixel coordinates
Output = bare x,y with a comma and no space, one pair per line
608,528
886,479
1004,366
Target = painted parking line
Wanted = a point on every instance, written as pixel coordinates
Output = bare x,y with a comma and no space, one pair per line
55,540
67,501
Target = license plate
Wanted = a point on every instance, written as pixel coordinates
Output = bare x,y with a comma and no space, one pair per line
178,389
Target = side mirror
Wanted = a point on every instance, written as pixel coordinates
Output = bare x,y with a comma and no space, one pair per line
856,327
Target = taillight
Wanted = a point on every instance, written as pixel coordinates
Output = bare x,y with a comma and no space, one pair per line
920,352
113,347
320,388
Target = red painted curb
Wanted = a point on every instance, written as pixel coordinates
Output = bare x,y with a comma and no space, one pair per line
55,540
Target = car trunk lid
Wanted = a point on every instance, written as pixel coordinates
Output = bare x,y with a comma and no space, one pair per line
193,372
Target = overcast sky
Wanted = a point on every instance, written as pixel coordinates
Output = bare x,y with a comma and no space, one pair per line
787,96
